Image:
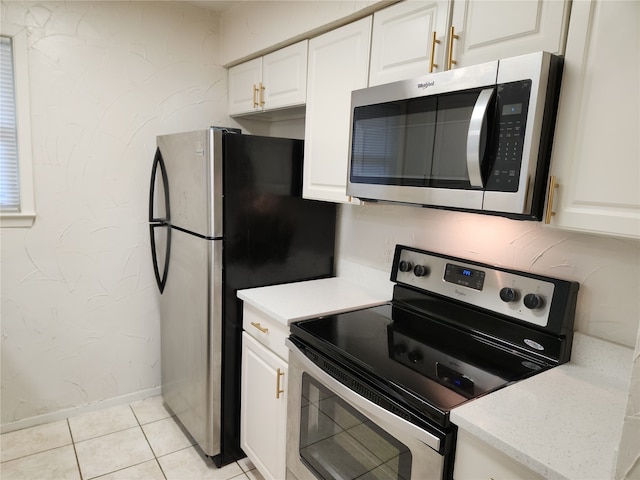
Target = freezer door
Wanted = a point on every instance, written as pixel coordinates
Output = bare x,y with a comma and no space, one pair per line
191,330
193,163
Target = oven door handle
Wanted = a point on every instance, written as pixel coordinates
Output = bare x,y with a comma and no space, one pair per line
474,137
365,406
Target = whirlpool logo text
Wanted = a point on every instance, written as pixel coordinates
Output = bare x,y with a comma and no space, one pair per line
424,85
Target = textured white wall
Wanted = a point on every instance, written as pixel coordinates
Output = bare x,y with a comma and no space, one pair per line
607,268
80,319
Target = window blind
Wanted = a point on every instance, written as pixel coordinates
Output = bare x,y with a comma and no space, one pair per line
9,175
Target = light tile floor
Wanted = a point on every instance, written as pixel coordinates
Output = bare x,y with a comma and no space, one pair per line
139,441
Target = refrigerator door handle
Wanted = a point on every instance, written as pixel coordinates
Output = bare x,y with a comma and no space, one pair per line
159,162
161,280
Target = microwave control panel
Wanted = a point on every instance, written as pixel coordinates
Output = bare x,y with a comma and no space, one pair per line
511,115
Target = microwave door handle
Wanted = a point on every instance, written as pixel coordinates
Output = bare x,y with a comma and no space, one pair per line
474,137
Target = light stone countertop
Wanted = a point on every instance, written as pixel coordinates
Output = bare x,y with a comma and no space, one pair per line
313,298
564,423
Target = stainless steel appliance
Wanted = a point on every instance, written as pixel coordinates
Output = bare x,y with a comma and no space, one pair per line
475,138
226,213
370,391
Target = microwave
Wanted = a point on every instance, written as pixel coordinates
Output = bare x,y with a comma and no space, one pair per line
474,139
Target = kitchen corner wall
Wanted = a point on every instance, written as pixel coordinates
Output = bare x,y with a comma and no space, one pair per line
607,268
80,319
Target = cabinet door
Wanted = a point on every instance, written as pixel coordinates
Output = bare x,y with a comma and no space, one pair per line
243,81
263,413
338,64
475,460
494,29
596,153
401,42
284,77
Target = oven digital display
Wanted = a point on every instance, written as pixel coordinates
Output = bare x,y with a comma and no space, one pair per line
465,276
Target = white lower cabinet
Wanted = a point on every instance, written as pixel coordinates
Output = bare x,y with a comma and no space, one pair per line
263,417
475,460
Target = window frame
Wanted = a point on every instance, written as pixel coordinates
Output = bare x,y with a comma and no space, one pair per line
26,216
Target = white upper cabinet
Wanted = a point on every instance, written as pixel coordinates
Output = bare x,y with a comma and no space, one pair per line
492,29
338,64
243,81
596,154
402,42
413,38
275,81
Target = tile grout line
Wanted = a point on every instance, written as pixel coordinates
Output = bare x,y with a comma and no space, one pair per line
243,473
34,453
74,443
75,452
148,443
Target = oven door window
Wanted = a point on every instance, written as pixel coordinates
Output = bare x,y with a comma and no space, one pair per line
336,441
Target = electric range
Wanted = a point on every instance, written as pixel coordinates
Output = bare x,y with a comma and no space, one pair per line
455,330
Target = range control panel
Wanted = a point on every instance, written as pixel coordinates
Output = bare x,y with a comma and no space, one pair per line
520,295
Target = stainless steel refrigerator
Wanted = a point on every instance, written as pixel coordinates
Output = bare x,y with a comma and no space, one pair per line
225,213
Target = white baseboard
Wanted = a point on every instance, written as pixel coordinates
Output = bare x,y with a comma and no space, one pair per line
79,410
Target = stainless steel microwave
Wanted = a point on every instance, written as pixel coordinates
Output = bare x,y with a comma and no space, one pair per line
476,138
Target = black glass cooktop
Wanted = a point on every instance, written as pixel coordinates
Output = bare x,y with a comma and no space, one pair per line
416,355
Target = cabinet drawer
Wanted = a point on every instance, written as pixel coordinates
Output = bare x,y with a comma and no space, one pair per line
266,330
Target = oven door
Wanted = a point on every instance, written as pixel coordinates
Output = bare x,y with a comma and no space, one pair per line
334,433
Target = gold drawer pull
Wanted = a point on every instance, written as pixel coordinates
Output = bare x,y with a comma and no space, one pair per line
261,95
260,327
278,389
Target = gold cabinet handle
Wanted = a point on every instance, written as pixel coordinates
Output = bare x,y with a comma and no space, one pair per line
452,37
261,95
553,185
278,389
432,64
255,91
259,327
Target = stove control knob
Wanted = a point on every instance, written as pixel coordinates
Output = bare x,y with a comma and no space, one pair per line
533,301
414,356
405,266
420,271
509,295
